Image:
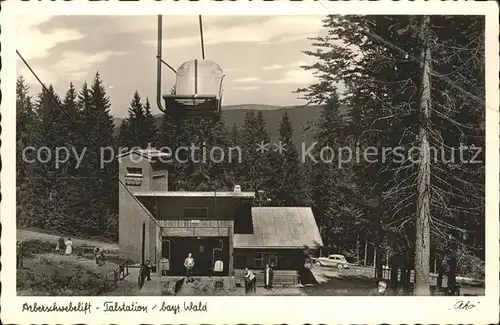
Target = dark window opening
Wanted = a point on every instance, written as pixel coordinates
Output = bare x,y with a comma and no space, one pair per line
195,213
134,172
263,258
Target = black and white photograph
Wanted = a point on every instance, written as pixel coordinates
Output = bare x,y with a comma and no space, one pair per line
252,155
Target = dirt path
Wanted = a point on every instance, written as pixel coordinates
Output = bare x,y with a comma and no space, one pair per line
23,235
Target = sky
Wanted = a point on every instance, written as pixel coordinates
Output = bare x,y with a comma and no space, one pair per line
260,55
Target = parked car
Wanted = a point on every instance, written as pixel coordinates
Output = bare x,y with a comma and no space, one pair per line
334,260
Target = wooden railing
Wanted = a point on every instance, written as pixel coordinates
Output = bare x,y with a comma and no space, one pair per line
118,274
280,277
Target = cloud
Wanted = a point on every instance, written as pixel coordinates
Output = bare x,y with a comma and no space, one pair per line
294,77
273,67
71,66
246,88
246,80
277,29
74,65
46,76
33,43
301,77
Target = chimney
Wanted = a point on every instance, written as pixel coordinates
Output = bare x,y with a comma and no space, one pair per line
237,188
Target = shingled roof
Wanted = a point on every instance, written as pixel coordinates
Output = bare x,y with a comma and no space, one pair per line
278,227
149,153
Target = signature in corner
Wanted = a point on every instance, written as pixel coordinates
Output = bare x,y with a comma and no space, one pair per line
464,305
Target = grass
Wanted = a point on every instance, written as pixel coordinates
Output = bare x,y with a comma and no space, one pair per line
359,282
47,274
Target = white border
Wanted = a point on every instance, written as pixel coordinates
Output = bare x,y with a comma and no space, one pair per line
256,309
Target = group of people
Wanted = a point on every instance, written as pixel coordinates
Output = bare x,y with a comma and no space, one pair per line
146,269
189,263
64,247
251,280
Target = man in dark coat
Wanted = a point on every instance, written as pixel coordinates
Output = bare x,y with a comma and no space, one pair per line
61,244
268,277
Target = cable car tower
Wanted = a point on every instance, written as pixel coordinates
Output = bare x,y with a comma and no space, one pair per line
198,85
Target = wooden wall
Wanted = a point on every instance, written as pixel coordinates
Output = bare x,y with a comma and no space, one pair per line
288,259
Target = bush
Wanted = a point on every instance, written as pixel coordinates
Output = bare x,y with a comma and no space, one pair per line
469,265
35,246
47,278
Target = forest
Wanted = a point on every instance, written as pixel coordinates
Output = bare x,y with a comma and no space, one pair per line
368,210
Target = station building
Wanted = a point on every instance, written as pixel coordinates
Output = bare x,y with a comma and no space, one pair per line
213,226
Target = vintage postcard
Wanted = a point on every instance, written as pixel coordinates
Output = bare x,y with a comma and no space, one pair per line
249,162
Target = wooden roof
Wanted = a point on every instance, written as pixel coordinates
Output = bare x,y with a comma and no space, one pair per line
213,194
150,153
279,227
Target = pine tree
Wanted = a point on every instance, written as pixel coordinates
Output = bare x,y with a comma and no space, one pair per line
139,128
235,165
50,131
257,152
69,183
24,123
382,94
286,182
101,191
150,125
134,126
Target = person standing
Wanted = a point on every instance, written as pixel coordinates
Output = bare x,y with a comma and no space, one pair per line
99,256
268,277
69,247
19,255
189,265
61,245
250,281
165,266
148,270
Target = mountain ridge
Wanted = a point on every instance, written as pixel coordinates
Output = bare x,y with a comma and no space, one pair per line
235,114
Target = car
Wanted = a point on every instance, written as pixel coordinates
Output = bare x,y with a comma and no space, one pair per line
333,260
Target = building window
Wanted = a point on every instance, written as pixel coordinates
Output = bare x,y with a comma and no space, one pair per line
134,172
261,259
195,213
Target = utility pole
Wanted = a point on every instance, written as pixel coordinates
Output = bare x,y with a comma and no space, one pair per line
422,242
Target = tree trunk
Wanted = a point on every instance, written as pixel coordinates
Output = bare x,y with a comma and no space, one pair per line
452,274
377,256
422,243
366,249
379,265
441,272
394,263
357,249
